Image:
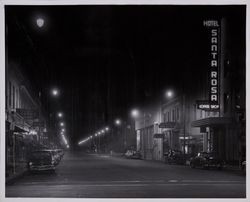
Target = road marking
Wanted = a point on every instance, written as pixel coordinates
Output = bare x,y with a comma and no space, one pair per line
172,180
213,181
131,183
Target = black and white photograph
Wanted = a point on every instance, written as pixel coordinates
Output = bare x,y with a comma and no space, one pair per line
134,101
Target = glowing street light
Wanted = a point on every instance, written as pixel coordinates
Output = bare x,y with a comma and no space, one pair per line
40,22
55,92
134,113
63,129
169,94
61,124
107,128
60,114
102,131
118,122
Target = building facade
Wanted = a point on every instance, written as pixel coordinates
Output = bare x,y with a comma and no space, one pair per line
147,133
208,114
25,123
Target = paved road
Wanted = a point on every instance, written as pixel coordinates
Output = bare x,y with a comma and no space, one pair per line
95,176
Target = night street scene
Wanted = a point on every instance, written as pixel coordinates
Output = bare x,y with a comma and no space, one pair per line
125,101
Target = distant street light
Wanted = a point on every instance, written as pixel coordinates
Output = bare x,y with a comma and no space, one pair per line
102,131
55,92
107,128
118,122
61,124
63,129
60,114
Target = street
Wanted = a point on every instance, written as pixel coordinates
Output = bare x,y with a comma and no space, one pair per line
81,175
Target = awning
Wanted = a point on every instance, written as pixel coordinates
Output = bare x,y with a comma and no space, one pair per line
212,121
159,135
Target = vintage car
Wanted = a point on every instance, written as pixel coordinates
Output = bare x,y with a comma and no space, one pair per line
174,157
42,160
132,154
207,160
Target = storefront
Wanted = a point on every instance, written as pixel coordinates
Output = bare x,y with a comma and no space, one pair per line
221,136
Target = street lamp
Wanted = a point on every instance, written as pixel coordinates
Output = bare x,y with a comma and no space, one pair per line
60,114
55,92
169,94
135,113
40,22
61,124
118,122
107,128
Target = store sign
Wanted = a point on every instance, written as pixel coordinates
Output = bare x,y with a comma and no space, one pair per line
213,29
207,105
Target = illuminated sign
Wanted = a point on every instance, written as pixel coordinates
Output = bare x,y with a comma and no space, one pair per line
207,105
214,65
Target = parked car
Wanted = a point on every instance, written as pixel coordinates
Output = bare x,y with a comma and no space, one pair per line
132,154
58,154
174,157
41,160
207,160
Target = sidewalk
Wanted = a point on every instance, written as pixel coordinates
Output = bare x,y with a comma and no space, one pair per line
227,168
20,171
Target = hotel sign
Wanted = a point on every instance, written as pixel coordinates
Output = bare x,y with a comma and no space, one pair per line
213,29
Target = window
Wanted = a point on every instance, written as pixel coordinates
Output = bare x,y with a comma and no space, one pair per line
9,97
14,97
165,117
17,97
177,113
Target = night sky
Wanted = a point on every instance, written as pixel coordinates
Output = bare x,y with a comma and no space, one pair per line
107,59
